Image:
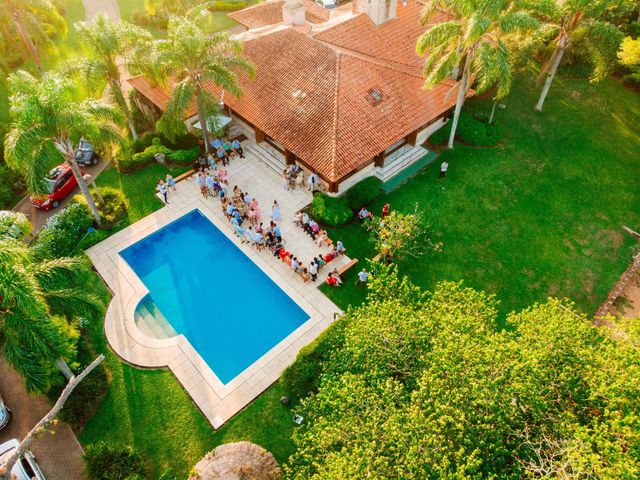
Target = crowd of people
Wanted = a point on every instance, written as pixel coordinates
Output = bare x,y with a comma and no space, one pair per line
243,211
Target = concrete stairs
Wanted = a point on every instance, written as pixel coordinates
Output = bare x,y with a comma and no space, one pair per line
267,155
151,322
399,160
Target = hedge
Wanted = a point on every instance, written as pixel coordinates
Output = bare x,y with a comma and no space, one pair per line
109,462
63,231
303,376
112,210
332,211
184,157
363,192
470,132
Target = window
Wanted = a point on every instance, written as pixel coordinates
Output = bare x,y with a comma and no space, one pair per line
374,95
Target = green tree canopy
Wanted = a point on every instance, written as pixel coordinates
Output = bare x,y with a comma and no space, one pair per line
33,293
31,22
186,61
472,43
110,41
577,24
425,386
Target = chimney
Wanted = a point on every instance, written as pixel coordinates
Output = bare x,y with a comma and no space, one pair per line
293,12
379,11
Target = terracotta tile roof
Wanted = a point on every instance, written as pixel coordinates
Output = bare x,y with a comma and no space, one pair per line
333,110
270,13
393,41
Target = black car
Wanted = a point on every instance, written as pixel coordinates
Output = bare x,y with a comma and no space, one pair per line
5,414
85,155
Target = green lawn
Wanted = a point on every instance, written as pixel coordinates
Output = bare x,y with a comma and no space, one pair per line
539,216
148,409
71,45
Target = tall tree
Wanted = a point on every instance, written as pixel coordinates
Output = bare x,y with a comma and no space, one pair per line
577,23
108,41
426,386
189,59
471,43
8,463
30,21
31,291
49,117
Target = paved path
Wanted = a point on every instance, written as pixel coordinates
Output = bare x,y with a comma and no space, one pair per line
57,452
94,7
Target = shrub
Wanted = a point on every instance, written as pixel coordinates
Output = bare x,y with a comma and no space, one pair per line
143,141
632,79
14,224
332,211
303,375
128,162
226,5
10,185
112,210
62,232
470,131
185,141
184,157
363,192
109,462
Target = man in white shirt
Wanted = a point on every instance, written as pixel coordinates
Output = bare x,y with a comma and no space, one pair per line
363,276
443,169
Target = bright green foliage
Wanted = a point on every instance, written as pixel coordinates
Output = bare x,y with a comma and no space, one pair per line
184,157
32,292
430,388
109,40
363,192
400,235
62,232
108,462
470,132
112,206
332,211
28,25
473,43
14,224
190,57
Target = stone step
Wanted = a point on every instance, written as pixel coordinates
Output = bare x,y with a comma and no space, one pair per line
397,164
267,157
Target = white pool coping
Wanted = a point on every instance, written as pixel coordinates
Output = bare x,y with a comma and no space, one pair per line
217,401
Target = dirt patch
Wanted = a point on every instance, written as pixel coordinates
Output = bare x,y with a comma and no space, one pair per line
57,452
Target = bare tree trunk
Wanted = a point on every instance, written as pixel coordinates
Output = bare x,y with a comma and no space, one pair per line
64,368
118,94
463,87
71,161
562,46
203,119
5,470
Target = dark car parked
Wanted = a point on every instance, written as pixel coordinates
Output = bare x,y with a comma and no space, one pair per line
85,155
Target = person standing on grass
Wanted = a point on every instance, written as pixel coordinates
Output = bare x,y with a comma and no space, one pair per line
363,276
385,210
443,169
162,188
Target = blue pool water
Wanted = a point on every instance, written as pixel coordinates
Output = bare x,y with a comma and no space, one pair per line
231,312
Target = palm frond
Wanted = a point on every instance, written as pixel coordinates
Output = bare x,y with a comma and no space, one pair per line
437,35
73,302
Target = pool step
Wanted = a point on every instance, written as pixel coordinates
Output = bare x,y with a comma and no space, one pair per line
151,322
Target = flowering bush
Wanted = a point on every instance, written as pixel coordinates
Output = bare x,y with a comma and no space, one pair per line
14,224
63,231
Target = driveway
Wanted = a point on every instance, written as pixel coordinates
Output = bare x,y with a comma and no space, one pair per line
39,217
57,451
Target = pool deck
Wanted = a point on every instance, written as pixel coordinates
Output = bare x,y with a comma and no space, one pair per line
217,401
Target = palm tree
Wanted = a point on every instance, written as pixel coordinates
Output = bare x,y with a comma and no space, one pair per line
189,57
30,21
108,41
577,22
472,43
49,117
32,290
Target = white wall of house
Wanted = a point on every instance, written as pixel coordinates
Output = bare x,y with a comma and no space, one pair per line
425,133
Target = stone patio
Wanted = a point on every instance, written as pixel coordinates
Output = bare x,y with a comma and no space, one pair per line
217,401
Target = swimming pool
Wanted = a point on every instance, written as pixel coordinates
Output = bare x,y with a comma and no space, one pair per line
230,311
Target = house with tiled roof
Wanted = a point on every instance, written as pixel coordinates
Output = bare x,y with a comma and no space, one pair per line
341,95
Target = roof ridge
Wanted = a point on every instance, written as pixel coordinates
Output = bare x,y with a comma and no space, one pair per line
336,107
